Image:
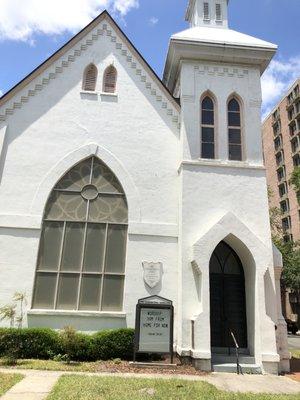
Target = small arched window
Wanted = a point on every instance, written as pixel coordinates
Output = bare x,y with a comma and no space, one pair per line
207,128
90,78
110,80
234,131
81,262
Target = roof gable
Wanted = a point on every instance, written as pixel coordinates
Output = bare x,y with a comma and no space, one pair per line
103,25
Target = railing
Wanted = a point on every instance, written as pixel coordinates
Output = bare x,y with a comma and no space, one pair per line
238,366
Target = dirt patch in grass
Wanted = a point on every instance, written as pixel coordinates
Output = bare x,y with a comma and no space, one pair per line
7,381
98,388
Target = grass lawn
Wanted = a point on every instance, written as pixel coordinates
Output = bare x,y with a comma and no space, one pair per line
7,381
97,388
50,365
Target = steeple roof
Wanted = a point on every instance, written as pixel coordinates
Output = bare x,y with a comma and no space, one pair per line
221,36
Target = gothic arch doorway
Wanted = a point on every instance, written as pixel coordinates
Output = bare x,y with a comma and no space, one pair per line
227,298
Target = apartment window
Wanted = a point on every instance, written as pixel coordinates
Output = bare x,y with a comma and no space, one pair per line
279,158
282,189
285,206
276,115
277,128
293,129
207,128
90,78
218,12
234,130
81,262
291,114
288,238
290,98
295,144
277,142
286,224
110,80
206,15
296,160
281,173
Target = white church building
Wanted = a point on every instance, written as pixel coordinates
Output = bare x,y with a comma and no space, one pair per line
116,185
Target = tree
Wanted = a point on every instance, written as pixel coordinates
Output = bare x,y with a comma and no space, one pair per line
291,263
290,251
295,181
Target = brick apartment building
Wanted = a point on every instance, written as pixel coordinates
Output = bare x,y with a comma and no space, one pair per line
281,145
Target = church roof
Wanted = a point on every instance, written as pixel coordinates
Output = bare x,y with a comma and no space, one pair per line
221,36
65,48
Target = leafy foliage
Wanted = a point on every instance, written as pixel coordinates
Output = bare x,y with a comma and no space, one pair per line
113,344
67,345
295,181
291,263
290,251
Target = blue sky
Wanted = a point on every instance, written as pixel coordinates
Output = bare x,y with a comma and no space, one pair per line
31,30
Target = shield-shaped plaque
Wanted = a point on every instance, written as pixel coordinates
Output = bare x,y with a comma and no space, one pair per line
152,273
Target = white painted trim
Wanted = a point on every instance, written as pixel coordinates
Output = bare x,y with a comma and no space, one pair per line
219,163
100,314
16,221
108,94
93,93
33,222
3,131
153,229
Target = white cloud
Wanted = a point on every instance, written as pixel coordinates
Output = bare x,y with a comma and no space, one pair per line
276,81
20,20
153,21
1,93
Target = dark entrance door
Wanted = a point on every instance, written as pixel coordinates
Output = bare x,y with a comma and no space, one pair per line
227,298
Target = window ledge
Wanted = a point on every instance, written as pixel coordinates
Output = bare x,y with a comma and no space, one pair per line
93,93
108,94
80,313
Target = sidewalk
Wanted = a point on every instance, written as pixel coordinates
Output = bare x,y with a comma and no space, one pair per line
36,385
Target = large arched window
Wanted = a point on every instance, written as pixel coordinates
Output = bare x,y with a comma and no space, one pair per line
207,128
81,262
90,78
235,151
110,79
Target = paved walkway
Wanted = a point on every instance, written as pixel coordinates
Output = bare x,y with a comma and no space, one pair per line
38,384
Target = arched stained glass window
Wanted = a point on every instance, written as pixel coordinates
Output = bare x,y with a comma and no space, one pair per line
90,78
207,128
110,79
81,262
234,130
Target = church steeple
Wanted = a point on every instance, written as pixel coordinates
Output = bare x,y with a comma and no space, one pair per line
208,13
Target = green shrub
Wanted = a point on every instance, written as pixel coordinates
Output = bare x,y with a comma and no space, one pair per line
113,344
29,343
67,345
74,345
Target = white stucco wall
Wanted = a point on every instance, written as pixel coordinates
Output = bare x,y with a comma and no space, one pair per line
132,132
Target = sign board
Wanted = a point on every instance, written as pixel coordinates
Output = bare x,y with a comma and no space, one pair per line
154,326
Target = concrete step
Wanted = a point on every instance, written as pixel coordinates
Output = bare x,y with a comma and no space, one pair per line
223,358
231,368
